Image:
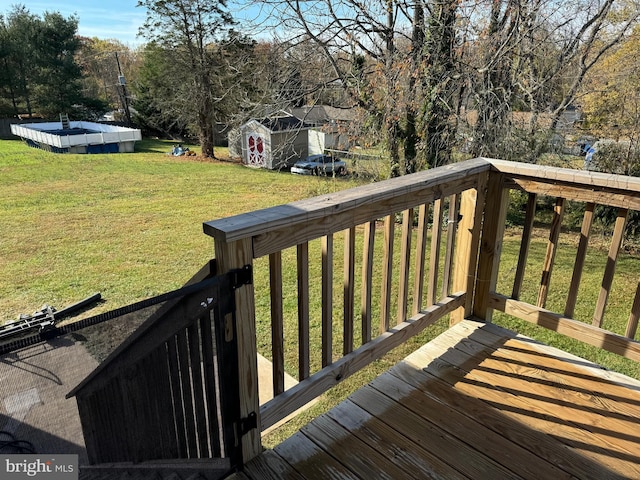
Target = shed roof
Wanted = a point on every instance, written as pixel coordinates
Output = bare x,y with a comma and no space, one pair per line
289,122
321,114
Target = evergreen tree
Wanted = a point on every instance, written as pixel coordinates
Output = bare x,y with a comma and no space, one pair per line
37,60
189,30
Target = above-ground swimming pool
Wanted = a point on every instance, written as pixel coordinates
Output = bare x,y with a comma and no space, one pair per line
80,137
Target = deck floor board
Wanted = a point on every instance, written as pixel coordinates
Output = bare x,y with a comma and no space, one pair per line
478,402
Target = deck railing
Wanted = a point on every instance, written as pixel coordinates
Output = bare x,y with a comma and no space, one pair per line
391,281
589,189
338,281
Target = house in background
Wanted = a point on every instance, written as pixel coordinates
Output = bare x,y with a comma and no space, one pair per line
331,125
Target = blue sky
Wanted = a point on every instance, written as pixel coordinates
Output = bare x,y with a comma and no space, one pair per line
120,19
106,19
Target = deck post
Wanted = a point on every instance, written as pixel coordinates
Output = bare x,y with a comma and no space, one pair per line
467,245
497,201
229,256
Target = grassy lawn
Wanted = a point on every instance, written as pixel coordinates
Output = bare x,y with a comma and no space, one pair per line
130,227
127,225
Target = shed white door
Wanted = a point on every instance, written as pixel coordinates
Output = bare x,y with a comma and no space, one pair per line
256,150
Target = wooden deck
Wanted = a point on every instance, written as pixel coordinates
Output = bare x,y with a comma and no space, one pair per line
478,402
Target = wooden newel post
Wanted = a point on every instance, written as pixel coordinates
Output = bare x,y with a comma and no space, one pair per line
467,245
230,256
495,214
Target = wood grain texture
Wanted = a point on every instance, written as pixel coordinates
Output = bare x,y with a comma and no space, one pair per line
497,198
632,324
434,253
318,383
552,248
578,193
478,402
367,280
581,254
387,272
231,256
525,242
420,257
609,271
306,219
349,289
405,262
572,328
327,300
468,246
302,260
277,322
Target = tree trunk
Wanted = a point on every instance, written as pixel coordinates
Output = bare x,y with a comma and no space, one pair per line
439,85
206,135
494,91
411,137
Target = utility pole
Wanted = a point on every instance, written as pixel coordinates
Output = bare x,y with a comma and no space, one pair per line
122,83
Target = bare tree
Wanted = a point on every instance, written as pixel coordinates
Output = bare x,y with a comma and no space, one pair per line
527,51
367,47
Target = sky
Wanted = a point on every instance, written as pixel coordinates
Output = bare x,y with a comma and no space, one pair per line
105,19
115,19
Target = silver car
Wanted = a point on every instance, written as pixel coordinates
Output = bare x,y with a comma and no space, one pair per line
320,165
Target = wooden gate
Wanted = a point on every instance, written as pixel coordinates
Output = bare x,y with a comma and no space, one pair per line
171,390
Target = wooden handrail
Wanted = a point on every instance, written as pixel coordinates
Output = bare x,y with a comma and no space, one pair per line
352,217
406,283
413,278
565,185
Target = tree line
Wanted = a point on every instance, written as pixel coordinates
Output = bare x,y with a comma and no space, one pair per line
428,78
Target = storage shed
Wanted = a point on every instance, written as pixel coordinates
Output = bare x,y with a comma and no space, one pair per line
273,143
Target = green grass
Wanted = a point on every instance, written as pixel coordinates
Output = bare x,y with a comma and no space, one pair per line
130,226
619,302
127,225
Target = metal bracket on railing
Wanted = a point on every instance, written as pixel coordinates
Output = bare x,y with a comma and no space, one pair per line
241,276
248,423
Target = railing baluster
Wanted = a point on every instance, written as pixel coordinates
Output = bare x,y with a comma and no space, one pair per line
277,322
177,400
327,300
367,279
349,288
421,244
405,258
607,280
434,257
452,224
552,247
387,273
303,311
195,361
632,324
578,267
524,245
187,397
